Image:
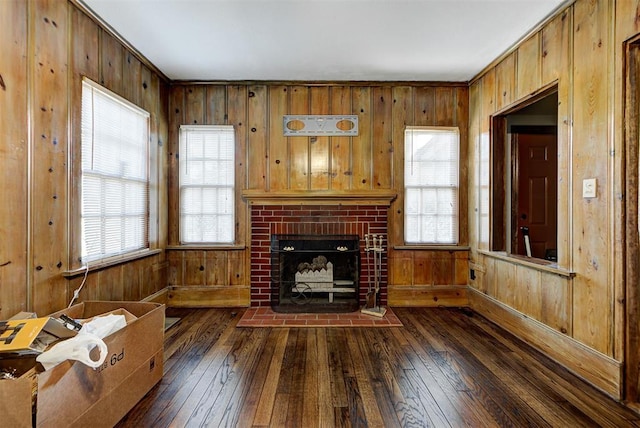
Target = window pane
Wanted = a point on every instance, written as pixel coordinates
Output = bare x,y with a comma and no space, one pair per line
207,184
431,171
115,183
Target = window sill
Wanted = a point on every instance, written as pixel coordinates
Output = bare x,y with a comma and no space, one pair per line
432,247
112,261
210,247
537,264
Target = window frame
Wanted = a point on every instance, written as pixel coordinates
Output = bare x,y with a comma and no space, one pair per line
148,233
231,186
502,219
456,241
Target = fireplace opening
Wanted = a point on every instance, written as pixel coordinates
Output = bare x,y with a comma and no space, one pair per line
315,273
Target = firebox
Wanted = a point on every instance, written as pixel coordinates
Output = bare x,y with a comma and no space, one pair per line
315,273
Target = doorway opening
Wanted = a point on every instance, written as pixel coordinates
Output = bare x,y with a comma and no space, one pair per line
631,291
525,179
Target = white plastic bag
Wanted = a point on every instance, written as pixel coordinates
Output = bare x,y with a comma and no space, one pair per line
104,326
77,348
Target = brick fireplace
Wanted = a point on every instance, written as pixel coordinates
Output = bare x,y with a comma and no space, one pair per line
268,220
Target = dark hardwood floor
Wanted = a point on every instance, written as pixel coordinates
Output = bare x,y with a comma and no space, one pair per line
445,367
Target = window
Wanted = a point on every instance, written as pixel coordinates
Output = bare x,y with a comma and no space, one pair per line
207,184
431,176
525,179
114,174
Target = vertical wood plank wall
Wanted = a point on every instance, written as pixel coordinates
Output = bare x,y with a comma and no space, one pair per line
13,157
47,47
580,51
269,162
625,133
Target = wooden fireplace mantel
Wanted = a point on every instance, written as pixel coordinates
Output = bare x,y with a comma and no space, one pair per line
319,197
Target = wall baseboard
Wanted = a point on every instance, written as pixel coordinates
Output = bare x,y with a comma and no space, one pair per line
427,296
208,297
602,371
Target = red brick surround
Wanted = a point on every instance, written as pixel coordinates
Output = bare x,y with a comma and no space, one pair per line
307,220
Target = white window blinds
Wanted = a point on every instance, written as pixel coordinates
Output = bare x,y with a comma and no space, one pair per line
115,174
207,184
431,174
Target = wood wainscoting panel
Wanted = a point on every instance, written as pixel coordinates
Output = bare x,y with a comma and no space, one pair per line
603,372
428,296
208,297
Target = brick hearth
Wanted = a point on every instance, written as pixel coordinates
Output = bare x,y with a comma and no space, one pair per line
312,219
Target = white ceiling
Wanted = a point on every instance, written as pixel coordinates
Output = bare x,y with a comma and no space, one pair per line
322,40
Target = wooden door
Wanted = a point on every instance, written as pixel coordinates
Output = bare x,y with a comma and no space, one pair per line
535,184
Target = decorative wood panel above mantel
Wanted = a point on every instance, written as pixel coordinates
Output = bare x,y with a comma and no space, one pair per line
370,197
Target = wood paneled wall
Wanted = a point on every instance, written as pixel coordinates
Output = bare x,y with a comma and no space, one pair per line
626,127
579,51
47,47
269,163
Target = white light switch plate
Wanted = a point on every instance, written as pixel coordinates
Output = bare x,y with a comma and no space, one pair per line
589,188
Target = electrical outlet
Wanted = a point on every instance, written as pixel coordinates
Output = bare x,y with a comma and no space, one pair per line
589,188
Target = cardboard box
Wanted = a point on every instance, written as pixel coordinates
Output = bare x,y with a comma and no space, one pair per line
30,336
24,369
74,395
24,315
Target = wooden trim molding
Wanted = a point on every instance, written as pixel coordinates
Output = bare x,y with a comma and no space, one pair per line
601,371
319,197
112,261
539,264
632,218
432,247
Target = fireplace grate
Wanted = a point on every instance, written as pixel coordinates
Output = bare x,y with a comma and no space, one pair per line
315,273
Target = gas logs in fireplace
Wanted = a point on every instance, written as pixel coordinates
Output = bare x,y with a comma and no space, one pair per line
315,273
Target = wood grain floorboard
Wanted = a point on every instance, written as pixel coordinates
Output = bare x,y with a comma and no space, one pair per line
443,391
258,403
480,409
443,368
517,376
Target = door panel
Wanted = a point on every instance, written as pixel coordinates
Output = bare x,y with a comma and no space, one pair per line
535,182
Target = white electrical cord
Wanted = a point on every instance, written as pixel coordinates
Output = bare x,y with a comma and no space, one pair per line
77,291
